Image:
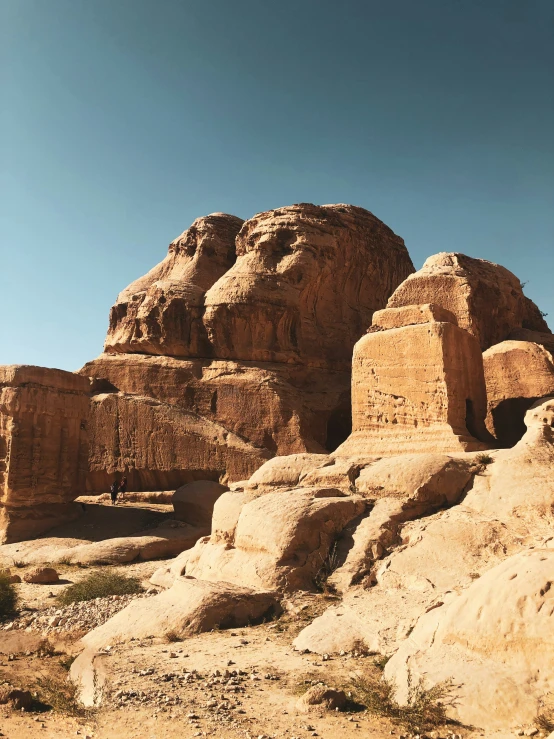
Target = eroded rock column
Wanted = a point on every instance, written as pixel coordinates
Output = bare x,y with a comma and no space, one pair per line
43,448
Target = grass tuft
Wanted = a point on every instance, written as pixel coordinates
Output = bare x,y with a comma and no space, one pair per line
425,707
100,585
8,598
484,459
172,636
328,565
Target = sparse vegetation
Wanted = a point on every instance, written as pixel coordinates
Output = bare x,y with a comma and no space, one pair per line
381,661
425,707
58,694
545,714
100,585
8,598
173,636
328,565
484,459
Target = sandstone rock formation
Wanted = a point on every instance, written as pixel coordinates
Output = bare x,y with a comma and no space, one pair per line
189,607
43,448
161,313
495,640
194,503
417,386
305,285
517,373
261,346
161,446
486,298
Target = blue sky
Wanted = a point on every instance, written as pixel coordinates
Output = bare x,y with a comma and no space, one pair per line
124,120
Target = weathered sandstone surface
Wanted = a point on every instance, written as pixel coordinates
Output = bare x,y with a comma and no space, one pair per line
496,639
44,415
194,502
486,298
517,373
161,313
417,386
161,446
252,325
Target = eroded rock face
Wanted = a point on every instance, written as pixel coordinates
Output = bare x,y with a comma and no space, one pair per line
261,345
517,374
417,388
305,284
44,416
161,446
486,298
492,639
282,408
161,313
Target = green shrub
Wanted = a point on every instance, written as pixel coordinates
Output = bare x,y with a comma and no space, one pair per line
8,598
100,585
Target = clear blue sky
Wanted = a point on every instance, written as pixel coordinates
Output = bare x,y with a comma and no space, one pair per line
123,120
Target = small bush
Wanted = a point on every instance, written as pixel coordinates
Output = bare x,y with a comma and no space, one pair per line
484,459
8,598
173,636
100,585
381,661
425,707
58,695
328,566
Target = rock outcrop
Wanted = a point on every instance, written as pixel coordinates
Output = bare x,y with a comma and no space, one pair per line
262,345
517,374
44,416
161,446
194,503
417,386
305,284
495,641
486,298
161,313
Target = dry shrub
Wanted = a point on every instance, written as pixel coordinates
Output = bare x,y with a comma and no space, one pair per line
425,707
100,585
8,598
172,636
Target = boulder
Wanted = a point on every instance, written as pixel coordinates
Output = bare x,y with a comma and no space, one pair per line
160,446
8,575
42,576
486,298
284,472
189,607
417,388
279,540
161,313
517,373
194,502
495,640
44,415
322,696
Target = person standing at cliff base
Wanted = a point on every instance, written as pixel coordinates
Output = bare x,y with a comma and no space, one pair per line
114,487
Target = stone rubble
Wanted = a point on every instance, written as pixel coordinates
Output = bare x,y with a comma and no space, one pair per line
81,616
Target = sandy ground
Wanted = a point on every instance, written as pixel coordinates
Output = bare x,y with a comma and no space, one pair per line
149,694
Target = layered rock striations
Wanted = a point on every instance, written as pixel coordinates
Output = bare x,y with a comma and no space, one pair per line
251,325
44,447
